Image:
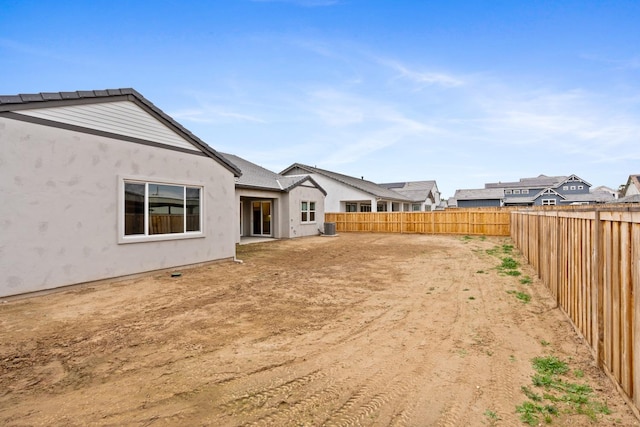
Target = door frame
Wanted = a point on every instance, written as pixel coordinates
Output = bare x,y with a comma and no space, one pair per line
263,217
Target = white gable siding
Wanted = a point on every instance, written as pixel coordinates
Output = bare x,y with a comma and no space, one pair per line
121,118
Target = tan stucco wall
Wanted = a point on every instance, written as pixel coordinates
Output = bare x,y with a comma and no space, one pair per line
59,210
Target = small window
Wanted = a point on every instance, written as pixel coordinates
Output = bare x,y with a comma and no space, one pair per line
548,202
565,187
308,211
580,187
516,191
525,191
573,187
508,191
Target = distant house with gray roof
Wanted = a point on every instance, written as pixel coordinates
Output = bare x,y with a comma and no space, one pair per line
274,205
424,195
631,190
350,194
482,197
536,191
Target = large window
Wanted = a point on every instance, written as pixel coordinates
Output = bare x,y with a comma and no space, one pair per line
308,211
351,207
548,202
161,209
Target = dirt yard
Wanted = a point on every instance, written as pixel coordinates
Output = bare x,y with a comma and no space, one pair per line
359,329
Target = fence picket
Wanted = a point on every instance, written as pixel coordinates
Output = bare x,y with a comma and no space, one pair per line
590,260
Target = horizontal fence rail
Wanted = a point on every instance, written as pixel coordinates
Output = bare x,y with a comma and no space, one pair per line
488,222
590,261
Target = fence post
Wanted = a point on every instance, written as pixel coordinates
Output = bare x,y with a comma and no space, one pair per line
538,238
596,293
558,260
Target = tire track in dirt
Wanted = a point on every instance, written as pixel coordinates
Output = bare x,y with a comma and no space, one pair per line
363,394
363,330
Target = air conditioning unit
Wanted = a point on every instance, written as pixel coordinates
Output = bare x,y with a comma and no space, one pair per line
329,228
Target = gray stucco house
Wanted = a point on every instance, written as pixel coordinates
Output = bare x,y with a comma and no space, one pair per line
537,191
274,205
103,184
349,194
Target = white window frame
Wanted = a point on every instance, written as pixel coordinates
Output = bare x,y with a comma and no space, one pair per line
365,207
548,202
416,207
580,187
573,187
146,237
308,211
516,191
525,191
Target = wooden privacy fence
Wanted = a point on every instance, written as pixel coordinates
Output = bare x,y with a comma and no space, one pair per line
590,261
488,222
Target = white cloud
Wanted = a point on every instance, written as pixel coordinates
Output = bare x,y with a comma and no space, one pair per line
213,114
422,78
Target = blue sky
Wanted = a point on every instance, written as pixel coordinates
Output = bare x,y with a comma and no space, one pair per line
463,92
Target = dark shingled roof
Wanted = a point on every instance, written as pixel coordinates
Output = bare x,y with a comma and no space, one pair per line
254,176
541,181
39,100
479,194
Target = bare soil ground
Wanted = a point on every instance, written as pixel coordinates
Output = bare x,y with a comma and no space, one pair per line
359,329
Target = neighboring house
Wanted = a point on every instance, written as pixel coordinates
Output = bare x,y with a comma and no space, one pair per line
610,192
540,190
631,190
273,205
103,184
482,197
424,195
348,194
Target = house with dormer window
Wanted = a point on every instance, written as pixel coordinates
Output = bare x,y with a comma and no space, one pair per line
542,190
